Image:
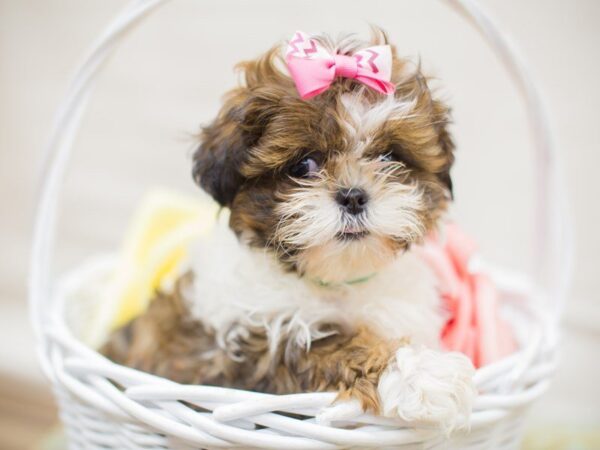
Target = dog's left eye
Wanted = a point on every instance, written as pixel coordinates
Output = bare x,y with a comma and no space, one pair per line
308,167
387,157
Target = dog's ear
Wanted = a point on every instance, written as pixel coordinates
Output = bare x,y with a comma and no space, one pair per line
227,141
446,144
217,160
415,86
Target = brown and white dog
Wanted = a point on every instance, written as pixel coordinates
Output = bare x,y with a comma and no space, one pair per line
314,285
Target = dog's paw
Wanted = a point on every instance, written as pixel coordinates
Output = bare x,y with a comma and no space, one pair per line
423,385
339,411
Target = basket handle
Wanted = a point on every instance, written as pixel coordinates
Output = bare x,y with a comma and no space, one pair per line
552,246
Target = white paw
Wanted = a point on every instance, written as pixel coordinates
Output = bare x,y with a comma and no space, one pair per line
428,386
345,410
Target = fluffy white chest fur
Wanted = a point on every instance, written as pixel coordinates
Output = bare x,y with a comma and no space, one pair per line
235,285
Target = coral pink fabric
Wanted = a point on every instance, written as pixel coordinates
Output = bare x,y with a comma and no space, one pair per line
474,326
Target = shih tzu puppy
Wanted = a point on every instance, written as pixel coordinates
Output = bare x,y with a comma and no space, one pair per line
334,163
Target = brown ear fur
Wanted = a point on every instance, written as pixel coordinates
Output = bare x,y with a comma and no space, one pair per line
446,144
217,158
417,86
226,142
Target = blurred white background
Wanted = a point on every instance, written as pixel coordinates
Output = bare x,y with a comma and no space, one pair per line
169,75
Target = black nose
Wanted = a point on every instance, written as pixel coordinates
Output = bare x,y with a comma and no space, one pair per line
353,200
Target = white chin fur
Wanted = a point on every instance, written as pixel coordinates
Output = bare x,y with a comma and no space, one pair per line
427,386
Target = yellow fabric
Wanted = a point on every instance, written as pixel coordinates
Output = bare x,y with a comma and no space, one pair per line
155,247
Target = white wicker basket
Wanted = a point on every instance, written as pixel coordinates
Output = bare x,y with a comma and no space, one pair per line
149,412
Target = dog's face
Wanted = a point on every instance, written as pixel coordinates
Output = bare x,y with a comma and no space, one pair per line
337,185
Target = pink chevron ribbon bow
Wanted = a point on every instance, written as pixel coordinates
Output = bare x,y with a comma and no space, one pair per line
313,68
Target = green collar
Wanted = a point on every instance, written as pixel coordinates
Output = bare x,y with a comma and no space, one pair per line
328,284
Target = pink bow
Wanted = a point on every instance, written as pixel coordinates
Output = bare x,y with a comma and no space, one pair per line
313,68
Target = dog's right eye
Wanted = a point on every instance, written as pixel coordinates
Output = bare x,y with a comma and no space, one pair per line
306,168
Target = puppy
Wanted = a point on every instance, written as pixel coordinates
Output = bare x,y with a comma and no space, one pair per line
315,284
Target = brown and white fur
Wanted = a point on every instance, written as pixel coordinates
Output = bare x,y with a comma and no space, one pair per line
312,287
